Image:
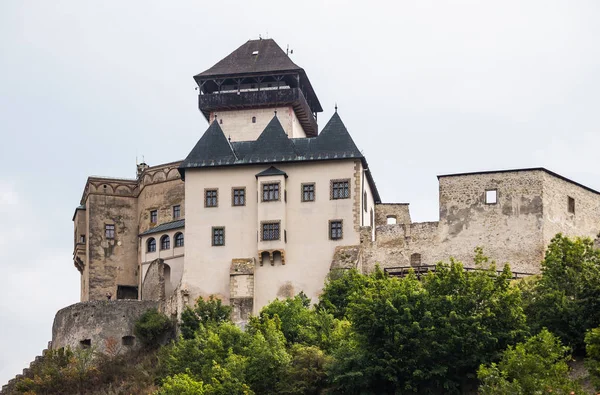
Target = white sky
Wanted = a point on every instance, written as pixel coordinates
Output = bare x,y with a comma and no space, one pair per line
424,87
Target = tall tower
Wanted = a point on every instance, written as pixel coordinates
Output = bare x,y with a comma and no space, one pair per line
243,90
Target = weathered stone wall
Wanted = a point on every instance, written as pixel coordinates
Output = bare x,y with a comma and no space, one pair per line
100,322
112,262
397,210
241,289
557,218
153,285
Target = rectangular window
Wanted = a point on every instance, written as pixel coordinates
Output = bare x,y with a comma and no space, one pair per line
176,211
336,229
218,236
340,189
109,231
270,192
491,196
81,239
270,231
210,198
571,204
308,192
153,216
238,197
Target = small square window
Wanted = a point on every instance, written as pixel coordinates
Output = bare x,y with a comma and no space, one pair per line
340,189
176,211
153,216
491,196
270,231
238,197
308,192
211,198
109,231
218,236
336,230
270,192
571,204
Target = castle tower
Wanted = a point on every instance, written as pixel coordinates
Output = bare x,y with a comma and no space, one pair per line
243,90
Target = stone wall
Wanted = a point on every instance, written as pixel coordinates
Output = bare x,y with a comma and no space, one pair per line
399,211
153,285
98,323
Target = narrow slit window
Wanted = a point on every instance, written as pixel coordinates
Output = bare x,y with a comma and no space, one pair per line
491,196
571,204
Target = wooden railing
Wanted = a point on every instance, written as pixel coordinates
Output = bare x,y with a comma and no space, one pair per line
420,270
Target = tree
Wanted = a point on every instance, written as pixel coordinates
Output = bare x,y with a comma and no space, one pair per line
205,312
338,290
536,366
566,299
181,384
152,328
592,353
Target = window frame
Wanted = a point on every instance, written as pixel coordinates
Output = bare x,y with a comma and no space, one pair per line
212,238
303,192
233,196
264,224
495,190
333,188
267,184
165,242
341,229
177,210
216,197
153,241
153,216
176,240
110,233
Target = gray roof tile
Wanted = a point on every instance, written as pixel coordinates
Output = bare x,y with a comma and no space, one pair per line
180,223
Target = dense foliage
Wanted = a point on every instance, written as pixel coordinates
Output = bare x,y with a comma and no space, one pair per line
152,328
449,332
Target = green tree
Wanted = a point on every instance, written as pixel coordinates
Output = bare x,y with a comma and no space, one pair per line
592,353
338,290
566,299
536,366
204,312
152,328
181,384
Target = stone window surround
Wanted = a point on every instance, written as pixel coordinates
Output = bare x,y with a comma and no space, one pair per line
261,232
331,221
486,196
314,191
262,194
110,231
217,197
331,182
153,216
212,234
177,211
233,189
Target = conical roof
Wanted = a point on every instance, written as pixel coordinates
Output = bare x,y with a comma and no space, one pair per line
212,149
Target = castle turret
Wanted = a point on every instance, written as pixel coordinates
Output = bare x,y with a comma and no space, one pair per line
244,89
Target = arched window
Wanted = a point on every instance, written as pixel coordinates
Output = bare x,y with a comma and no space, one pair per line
253,119
151,245
179,239
165,242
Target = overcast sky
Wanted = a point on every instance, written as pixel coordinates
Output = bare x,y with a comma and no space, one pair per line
424,87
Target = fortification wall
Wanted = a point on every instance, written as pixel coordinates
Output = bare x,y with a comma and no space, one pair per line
399,211
98,323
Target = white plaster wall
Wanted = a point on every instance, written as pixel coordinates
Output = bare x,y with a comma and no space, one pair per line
238,125
308,251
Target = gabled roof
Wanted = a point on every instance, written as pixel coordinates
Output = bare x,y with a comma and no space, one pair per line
274,146
272,171
269,57
180,223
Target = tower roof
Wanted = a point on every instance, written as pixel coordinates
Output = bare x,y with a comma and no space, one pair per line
254,56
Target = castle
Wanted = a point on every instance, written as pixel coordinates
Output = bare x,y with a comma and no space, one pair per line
266,205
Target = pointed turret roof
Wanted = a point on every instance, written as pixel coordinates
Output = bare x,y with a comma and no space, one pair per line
254,56
273,142
212,149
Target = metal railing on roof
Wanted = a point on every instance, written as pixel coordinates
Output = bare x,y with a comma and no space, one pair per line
421,270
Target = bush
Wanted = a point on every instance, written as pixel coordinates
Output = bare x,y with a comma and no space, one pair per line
205,312
181,384
152,328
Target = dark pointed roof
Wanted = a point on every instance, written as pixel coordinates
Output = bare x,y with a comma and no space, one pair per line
212,149
274,146
270,57
272,171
